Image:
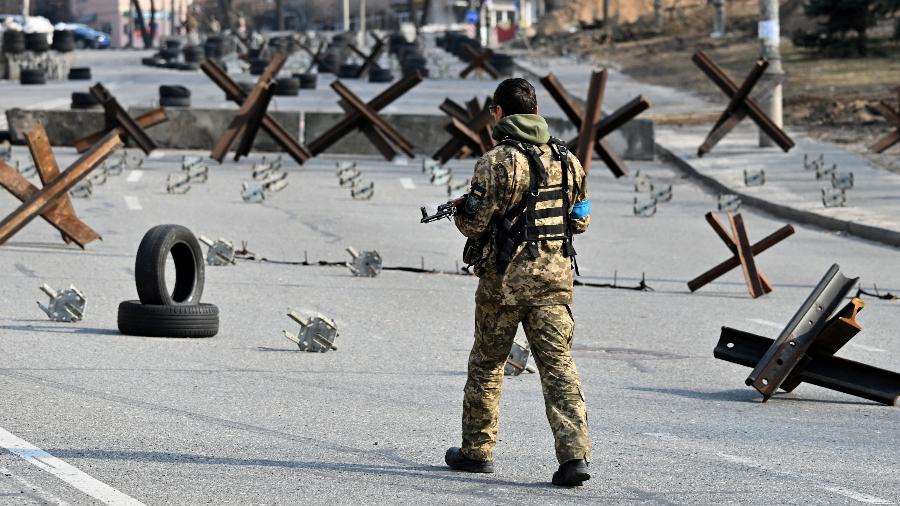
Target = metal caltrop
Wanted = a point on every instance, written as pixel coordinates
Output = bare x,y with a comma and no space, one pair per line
221,252
517,361
317,334
804,351
367,264
65,305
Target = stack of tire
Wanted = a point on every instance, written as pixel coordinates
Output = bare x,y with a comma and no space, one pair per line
193,55
84,100
286,87
161,311
171,52
13,42
37,42
348,71
307,81
63,41
411,60
214,47
454,43
174,96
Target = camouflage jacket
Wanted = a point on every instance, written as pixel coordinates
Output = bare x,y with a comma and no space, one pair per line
504,174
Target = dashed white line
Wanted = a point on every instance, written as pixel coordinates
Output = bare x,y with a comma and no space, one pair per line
407,183
65,471
157,153
867,348
134,176
767,323
857,496
132,203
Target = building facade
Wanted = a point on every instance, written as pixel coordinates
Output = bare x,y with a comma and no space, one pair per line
116,18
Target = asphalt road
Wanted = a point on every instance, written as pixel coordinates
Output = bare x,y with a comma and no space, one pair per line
245,418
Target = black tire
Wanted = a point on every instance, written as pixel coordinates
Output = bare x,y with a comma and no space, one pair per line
83,100
13,42
257,67
174,90
174,101
150,61
348,71
193,54
380,75
36,42
307,81
63,41
150,320
32,76
150,266
80,74
169,54
187,66
286,87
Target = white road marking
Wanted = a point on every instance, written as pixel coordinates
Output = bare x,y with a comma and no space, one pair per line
767,323
27,484
134,176
407,183
857,496
64,471
867,348
132,203
156,153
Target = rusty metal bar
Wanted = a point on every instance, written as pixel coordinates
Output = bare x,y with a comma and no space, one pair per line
42,200
881,145
237,95
728,86
732,245
587,135
47,168
452,109
248,108
352,121
67,224
375,137
800,333
479,62
453,147
566,102
117,117
723,267
372,117
745,255
146,120
833,373
718,133
371,59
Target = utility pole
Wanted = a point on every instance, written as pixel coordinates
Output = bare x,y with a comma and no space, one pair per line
606,28
362,24
279,15
346,15
26,8
769,38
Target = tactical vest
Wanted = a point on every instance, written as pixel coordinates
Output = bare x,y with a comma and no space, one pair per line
542,213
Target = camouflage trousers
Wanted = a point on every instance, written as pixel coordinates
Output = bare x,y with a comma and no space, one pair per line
549,331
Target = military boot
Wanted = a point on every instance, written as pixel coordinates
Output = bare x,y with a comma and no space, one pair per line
572,473
456,460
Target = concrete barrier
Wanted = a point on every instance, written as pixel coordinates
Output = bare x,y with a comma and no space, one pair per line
191,128
185,129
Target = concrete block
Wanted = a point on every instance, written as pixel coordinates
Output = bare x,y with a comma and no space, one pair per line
201,128
186,128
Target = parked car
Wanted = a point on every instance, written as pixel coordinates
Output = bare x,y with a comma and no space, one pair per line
85,36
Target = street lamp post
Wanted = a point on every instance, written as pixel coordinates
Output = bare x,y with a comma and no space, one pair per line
769,38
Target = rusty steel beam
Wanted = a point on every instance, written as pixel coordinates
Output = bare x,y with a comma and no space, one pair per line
371,116
728,86
479,62
719,132
369,60
732,246
146,120
352,121
45,201
117,117
833,373
375,137
462,141
892,116
47,168
248,110
454,110
587,133
234,93
745,255
566,102
735,261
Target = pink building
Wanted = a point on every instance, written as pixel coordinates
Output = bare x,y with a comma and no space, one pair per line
114,17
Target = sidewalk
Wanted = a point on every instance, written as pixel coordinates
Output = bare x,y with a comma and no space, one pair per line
790,192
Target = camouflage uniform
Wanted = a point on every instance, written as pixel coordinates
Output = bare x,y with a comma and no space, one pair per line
534,291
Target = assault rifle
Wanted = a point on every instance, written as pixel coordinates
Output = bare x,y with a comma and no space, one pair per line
447,210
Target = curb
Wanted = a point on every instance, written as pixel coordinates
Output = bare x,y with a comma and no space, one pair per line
870,233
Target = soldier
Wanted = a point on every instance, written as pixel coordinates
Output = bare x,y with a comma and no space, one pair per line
527,199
